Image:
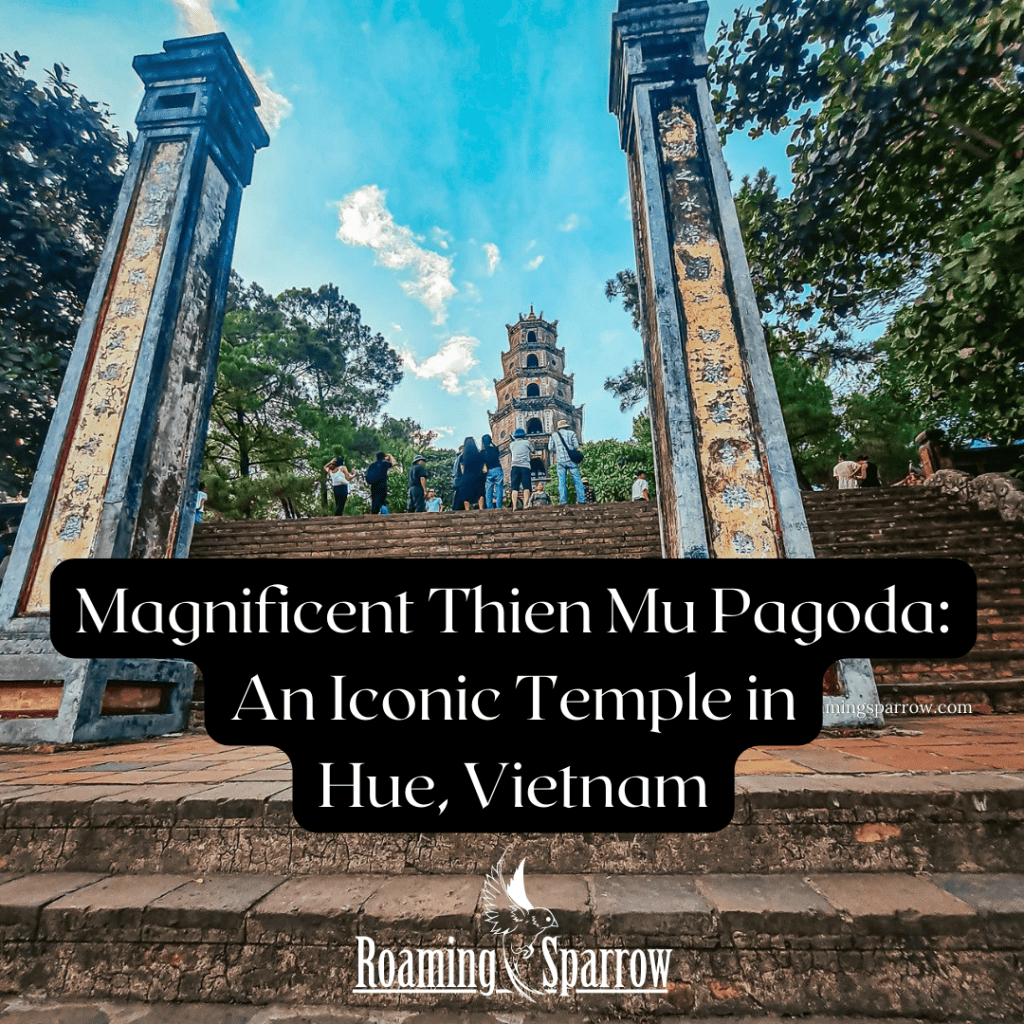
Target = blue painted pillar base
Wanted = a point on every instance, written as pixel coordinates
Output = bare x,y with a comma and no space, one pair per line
86,690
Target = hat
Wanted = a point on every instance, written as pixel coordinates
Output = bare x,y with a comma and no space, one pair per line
420,458
563,423
519,432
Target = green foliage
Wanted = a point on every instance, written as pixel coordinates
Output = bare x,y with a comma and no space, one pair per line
630,386
882,424
961,344
907,126
610,466
61,163
296,375
811,425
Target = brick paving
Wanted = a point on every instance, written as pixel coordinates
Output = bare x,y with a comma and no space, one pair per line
961,743
164,881
21,1011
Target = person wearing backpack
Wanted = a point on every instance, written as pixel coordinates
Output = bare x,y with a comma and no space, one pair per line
377,478
564,446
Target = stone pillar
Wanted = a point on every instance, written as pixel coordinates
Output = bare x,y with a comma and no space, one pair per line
725,478
119,471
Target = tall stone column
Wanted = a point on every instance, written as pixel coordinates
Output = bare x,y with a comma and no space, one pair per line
726,483
119,471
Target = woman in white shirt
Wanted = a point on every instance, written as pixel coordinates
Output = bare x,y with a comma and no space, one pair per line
338,476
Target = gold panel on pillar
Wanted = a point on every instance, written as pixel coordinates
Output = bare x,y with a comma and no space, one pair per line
76,502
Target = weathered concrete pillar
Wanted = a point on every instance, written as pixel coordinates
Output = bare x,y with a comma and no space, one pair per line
118,474
726,483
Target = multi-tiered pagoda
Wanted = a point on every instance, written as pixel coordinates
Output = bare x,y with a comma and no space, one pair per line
534,393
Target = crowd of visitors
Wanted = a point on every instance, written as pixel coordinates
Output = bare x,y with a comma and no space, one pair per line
933,452
477,476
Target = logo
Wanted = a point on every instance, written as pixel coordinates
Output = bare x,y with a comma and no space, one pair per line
511,915
527,959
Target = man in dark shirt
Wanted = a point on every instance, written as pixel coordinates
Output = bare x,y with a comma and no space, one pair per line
377,478
418,485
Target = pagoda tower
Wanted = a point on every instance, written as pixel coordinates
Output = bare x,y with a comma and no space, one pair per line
534,393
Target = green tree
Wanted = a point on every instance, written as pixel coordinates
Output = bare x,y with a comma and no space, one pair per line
61,164
812,425
610,466
294,374
907,123
801,359
342,363
882,423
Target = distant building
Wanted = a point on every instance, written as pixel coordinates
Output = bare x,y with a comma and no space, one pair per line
535,392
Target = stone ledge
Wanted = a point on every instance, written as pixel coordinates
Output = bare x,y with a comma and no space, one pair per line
782,824
940,947
840,910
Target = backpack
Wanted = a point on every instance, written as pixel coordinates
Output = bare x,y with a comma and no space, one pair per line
376,473
574,453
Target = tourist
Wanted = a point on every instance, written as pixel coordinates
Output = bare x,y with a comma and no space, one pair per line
457,468
539,496
470,489
7,538
845,473
934,452
418,485
494,483
912,479
640,492
563,445
201,497
433,503
588,492
338,477
521,474
867,472
377,478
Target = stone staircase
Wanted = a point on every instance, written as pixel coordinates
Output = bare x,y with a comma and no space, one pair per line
850,896
616,530
921,522
854,896
912,522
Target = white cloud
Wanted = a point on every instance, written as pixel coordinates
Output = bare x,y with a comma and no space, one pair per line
396,327
197,19
480,389
452,361
440,237
493,257
532,245
534,263
364,219
571,223
471,292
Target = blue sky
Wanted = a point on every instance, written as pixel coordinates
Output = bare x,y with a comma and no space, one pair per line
445,163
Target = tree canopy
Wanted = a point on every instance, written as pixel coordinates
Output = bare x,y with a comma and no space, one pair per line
299,380
61,164
907,139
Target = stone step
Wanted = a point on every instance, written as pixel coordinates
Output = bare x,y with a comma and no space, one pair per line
623,530
782,824
884,524
927,695
879,944
889,536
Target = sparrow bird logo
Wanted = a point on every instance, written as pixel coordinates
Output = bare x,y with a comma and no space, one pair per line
511,915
